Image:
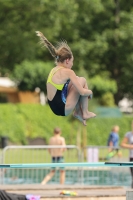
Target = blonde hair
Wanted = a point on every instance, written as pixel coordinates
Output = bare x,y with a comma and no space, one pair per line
115,128
61,52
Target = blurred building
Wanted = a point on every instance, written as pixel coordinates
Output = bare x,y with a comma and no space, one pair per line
10,93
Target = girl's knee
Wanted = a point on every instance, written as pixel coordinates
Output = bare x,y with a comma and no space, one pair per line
82,79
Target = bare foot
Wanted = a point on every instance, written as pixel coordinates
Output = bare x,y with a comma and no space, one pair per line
80,119
89,115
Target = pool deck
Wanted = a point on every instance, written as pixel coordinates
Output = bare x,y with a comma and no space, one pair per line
52,192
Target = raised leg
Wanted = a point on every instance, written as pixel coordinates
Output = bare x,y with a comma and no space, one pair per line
78,103
78,113
84,106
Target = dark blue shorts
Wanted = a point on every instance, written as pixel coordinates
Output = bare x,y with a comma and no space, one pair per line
59,159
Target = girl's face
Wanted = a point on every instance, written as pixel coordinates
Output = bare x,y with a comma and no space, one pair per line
69,62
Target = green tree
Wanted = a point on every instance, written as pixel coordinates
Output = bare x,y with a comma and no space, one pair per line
106,41
99,33
101,85
29,75
20,19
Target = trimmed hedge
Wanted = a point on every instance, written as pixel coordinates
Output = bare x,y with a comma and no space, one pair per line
19,121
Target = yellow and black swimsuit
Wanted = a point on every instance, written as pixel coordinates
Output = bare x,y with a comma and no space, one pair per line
57,104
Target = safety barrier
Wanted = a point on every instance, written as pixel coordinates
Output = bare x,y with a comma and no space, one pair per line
105,175
36,154
97,175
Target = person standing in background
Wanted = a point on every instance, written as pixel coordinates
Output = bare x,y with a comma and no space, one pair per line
113,143
56,155
127,143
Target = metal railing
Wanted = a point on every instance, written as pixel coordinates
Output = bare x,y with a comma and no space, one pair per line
36,154
118,176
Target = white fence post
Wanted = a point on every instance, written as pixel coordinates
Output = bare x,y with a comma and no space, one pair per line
129,195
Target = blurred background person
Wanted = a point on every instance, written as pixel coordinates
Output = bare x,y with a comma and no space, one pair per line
56,155
127,142
113,143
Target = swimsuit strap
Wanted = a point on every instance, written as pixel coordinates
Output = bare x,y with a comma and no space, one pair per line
49,80
51,74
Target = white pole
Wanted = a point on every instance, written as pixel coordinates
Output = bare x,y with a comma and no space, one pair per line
129,195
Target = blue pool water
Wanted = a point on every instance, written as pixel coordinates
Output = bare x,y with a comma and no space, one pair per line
87,177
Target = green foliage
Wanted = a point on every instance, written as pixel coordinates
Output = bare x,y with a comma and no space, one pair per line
98,32
12,123
29,75
107,99
101,85
103,88
20,121
21,43
99,129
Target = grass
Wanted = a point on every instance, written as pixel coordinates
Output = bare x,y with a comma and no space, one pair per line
13,156
17,155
